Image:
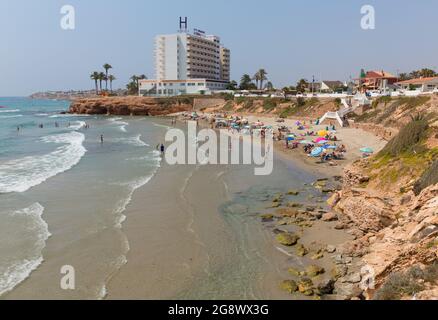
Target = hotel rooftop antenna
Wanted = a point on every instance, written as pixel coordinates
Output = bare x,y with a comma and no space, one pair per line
183,24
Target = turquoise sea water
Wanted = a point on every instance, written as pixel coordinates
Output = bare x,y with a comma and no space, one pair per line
60,182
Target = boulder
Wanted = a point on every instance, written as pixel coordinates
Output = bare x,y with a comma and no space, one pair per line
294,272
347,289
305,286
289,286
301,251
287,239
314,270
275,204
329,216
326,286
339,271
293,192
267,217
330,249
294,205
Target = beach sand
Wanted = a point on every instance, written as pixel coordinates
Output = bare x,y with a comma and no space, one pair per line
195,232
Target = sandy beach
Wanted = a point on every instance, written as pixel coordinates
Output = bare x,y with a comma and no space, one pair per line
189,247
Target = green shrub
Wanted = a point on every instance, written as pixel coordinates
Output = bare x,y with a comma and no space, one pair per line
228,106
227,96
429,177
240,100
413,102
311,102
269,104
248,104
397,286
430,274
301,102
287,112
408,139
383,99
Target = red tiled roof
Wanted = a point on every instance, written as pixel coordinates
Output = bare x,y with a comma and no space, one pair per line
379,74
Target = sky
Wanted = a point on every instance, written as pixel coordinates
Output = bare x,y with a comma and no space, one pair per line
289,39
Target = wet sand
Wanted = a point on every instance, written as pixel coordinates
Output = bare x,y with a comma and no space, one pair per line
195,232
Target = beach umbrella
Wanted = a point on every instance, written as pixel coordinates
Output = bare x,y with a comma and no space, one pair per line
322,142
366,150
316,152
290,138
319,139
322,133
330,147
306,142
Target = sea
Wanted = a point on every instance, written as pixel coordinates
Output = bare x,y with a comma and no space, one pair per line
60,183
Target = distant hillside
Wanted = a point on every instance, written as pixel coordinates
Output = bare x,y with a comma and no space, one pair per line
71,95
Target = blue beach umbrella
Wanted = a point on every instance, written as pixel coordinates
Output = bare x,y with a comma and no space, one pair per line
330,147
366,150
317,151
306,142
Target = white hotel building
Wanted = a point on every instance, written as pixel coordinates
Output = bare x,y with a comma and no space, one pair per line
188,64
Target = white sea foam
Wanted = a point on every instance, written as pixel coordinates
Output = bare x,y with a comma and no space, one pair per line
68,115
21,174
123,203
134,141
122,124
154,156
77,125
9,117
162,126
30,230
41,114
9,110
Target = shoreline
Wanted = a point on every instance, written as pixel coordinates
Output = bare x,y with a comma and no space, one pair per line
194,259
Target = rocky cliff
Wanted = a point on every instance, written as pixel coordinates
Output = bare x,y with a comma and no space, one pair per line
131,105
390,204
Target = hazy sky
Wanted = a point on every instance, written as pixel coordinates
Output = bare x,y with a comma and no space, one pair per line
290,39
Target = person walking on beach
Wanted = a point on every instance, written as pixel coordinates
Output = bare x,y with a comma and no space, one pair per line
101,138
162,148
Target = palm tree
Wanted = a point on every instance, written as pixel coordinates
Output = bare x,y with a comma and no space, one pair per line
134,79
302,85
256,77
101,78
245,81
269,86
106,66
95,76
262,77
111,78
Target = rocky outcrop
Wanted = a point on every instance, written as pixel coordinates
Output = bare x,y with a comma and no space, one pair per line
393,232
124,106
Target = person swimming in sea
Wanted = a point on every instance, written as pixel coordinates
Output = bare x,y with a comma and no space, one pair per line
101,138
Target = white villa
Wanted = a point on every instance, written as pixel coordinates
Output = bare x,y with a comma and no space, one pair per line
420,84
